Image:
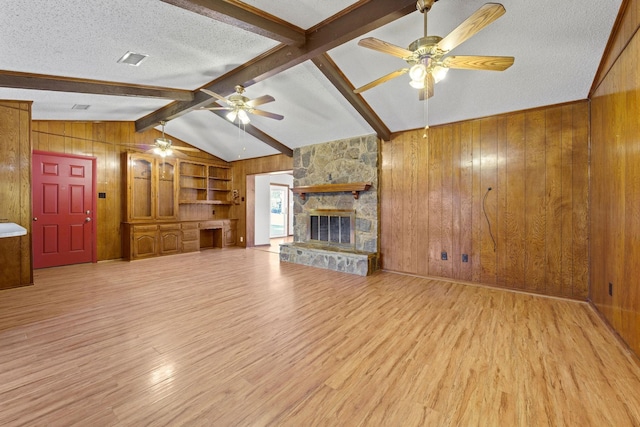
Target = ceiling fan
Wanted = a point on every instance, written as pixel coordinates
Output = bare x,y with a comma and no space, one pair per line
239,106
163,147
425,56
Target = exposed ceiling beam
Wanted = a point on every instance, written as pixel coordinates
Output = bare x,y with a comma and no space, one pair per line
257,133
331,71
18,80
356,22
243,17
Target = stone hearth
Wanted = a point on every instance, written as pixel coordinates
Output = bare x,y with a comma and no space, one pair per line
337,162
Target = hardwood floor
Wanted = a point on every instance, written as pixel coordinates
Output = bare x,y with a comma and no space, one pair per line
233,337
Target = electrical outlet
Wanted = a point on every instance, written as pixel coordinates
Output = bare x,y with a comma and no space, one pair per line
241,239
443,256
611,289
465,258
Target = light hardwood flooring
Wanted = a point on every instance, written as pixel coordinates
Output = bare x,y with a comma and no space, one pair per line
235,338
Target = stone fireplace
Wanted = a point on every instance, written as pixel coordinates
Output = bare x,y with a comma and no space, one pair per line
336,208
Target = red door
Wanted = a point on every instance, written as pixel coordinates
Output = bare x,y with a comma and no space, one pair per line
63,209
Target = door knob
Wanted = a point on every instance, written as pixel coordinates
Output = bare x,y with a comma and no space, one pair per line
87,219
35,219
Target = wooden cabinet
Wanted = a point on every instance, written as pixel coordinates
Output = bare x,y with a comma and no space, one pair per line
151,188
230,232
169,238
140,241
155,189
204,183
190,237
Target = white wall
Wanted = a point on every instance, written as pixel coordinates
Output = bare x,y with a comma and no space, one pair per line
263,211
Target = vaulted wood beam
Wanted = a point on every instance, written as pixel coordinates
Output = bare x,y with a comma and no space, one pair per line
19,80
356,22
257,133
331,71
243,17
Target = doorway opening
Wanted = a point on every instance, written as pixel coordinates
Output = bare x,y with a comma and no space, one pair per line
269,208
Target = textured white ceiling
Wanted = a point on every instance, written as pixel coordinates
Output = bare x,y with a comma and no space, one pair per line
557,46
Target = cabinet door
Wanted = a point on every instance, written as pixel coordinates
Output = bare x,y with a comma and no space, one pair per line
167,203
140,187
144,244
230,233
170,242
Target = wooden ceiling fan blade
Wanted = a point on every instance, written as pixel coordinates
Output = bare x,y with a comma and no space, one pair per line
384,47
266,114
175,147
491,63
215,95
215,108
476,22
381,80
427,91
260,101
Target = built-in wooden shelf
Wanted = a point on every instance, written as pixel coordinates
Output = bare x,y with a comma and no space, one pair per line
354,187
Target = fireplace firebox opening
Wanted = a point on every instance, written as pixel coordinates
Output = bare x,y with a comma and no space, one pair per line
331,227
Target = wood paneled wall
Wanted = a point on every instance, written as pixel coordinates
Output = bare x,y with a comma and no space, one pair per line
615,184
536,164
15,192
240,169
105,141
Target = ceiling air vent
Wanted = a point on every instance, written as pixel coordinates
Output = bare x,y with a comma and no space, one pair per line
80,107
131,58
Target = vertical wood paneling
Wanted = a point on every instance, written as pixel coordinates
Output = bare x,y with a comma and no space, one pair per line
456,196
566,204
398,206
535,219
581,131
435,201
465,238
501,207
476,204
446,220
15,192
410,203
536,163
488,204
422,231
515,214
553,203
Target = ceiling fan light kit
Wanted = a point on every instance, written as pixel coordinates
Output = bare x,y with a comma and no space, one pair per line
164,147
425,56
239,106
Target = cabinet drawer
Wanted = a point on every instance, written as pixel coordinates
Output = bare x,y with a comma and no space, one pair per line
144,228
189,225
190,246
211,224
189,235
164,227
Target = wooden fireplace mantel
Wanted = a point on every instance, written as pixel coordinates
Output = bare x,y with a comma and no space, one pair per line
354,187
